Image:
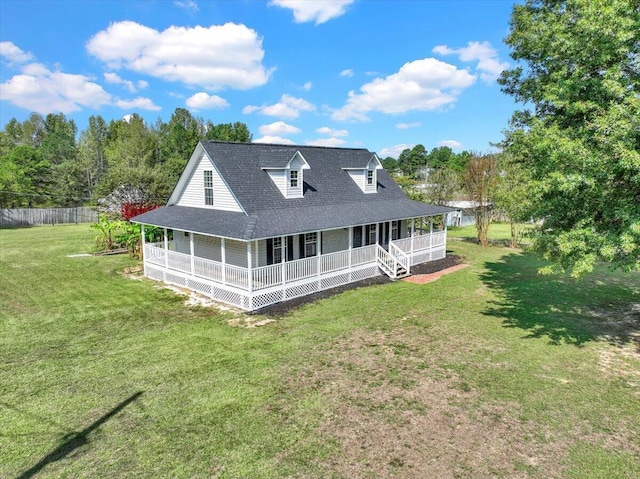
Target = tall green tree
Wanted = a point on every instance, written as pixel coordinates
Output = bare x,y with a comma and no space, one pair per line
91,156
442,186
25,178
412,161
579,70
511,196
130,153
33,130
179,137
58,147
480,179
237,132
390,164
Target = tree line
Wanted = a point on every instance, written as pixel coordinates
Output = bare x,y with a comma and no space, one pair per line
44,162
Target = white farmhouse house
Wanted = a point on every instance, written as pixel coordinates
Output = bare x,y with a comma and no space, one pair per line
254,224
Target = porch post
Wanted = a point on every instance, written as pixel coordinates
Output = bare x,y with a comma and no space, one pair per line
192,252
431,233
144,264
319,253
249,271
413,231
224,260
284,252
166,248
350,243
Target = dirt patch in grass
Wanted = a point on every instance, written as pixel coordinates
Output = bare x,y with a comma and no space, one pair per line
393,411
623,333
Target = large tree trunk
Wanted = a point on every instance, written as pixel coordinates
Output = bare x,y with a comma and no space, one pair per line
483,220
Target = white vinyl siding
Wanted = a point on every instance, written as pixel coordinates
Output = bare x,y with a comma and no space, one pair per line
279,178
296,164
294,184
181,242
193,194
262,253
335,240
360,179
207,247
236,252
370,175
291,186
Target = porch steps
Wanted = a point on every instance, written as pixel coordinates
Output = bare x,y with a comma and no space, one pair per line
390,265
401,271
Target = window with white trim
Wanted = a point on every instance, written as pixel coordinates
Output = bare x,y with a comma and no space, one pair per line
370,177
293,179
277,250
310,244
208,187
394,230
373,232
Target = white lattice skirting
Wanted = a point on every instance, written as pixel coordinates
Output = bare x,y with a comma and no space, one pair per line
265,297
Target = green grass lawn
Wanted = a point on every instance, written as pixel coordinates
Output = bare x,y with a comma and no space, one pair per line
499,232
492,371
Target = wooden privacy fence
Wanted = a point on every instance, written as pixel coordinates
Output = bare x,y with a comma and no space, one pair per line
11,218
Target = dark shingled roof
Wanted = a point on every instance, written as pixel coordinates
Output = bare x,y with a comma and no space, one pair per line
331,198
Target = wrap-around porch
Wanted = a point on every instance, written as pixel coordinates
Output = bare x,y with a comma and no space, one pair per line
254,274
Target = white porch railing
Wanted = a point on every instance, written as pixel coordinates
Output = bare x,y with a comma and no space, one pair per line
419,243
265,285
400,256
264,276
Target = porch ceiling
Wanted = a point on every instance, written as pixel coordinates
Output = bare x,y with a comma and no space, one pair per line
282,222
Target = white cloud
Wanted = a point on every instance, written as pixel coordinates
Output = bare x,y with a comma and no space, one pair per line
307,86
139,103
278,128
189,5
202,100
424,85
219,56
489,64
14,54
275,140
44,91
453,144
404,126
394,151
287,107
333,142
319,11
142,84
111,77
347,73
325,130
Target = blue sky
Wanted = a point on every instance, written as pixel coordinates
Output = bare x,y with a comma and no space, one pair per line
384,75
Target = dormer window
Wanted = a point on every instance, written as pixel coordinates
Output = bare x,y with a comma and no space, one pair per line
286,171
365,176
208,187
293,179
370,177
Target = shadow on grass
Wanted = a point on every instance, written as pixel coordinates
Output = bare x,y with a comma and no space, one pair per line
72,441
567,311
